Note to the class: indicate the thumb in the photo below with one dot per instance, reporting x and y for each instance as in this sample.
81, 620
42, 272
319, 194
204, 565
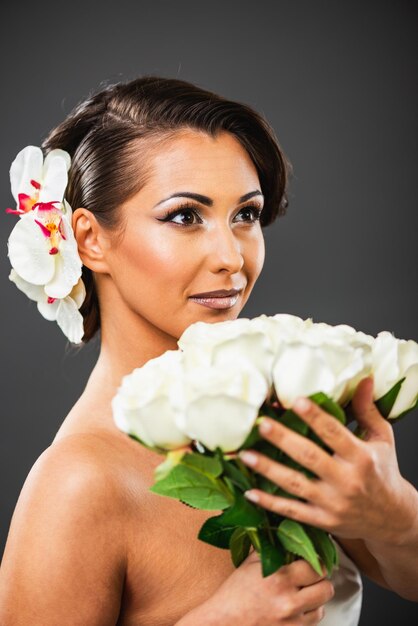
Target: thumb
371, 421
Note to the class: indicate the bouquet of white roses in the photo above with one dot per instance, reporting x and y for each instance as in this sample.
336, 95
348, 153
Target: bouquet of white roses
202, 404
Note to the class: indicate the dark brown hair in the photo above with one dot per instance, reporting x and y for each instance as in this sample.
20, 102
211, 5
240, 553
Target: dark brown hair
109, 136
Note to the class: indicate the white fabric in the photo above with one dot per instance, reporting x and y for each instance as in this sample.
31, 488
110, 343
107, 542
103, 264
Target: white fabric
344, 608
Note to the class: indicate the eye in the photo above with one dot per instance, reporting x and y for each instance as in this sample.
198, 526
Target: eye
191, 210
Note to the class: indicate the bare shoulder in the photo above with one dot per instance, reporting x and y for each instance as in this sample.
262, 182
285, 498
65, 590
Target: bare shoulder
66, 546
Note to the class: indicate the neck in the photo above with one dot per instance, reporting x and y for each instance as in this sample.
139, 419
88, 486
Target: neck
127, 342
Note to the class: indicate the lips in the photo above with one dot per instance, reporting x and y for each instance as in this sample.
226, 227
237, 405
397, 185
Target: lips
219, 293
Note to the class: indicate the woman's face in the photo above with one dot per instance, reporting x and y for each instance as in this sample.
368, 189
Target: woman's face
214, 243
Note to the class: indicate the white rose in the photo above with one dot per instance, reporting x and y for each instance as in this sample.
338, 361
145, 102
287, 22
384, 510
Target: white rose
221, 404
281, 326
228, 343
145, 402
323, 358
394, 359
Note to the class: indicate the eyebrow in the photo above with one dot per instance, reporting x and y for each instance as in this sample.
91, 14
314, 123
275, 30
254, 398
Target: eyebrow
205, 199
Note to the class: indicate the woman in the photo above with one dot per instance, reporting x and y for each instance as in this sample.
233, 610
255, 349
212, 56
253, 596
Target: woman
171, 186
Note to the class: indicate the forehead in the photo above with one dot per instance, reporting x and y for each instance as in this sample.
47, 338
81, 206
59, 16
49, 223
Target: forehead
194, 158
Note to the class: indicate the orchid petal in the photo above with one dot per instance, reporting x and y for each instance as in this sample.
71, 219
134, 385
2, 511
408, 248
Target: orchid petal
34, 292
70, 320
54, 179
67, 268
67, 210
26, 166
48, 310
57, 152
28, 252
78, 293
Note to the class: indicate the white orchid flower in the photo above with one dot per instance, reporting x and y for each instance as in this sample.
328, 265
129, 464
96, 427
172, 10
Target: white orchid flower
35, 180
62, 310
42, 248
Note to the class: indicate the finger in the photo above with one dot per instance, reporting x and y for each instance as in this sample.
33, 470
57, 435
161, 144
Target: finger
291, 480
337, 436
300, 449
289, 507
368, 415
313, 617
302, 573
313, 596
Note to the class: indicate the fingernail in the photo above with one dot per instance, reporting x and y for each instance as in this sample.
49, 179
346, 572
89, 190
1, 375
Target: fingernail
251, 495
302, 404
248, 457
265, 426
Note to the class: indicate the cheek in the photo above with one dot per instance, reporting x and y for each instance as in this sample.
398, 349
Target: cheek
255, 255
151, 263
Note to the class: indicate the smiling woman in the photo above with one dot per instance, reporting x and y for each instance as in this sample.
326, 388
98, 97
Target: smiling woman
128, 134
170, 187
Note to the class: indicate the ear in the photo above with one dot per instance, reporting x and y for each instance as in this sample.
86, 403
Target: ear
90, 240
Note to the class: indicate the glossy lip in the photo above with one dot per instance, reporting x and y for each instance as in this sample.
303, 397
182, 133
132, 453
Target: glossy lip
219, 293
218, 302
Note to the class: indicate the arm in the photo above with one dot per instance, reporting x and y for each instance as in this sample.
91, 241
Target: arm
64, 561
392, 564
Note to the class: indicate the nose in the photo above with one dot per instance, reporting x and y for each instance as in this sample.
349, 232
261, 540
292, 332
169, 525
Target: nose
225, 250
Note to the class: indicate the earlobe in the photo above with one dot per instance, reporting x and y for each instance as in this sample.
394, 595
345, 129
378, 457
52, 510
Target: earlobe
88, 234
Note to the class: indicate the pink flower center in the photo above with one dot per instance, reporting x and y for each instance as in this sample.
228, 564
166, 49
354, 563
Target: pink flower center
26, 202
50, 223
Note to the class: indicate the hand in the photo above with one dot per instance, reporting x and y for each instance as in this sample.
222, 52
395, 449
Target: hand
359, 492
294, 594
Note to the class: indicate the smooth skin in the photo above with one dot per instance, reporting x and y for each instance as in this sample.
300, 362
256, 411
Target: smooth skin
89, 544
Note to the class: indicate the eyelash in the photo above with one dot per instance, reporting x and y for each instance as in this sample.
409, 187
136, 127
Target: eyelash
256, 211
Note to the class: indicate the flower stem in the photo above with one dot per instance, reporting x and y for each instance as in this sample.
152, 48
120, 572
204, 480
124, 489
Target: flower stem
252, 533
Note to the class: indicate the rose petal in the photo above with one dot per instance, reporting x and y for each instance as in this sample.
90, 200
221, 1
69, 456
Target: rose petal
301, 371
26, 166
408, 392
29, 253
70, 320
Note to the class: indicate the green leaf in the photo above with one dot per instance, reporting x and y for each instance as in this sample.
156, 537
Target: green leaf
236, 475
172, 458
243, 513
294, 538
324, 546
272, 556
194, 487
386, 402
207, 464
216, 532
327, 404
239, 545
294, 422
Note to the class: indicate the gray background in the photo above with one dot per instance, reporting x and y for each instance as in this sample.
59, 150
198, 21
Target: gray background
337, 80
